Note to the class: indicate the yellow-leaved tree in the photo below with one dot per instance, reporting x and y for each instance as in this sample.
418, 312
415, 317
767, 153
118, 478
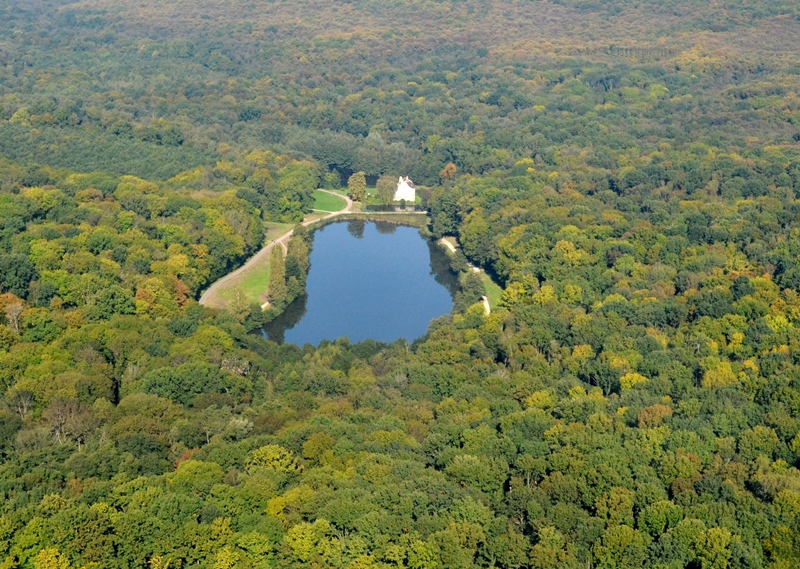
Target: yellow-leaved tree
275, 457
50, 558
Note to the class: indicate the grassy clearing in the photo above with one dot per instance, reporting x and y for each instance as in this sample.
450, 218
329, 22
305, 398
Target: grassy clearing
327, 202
253, 283
275, 230
493, 290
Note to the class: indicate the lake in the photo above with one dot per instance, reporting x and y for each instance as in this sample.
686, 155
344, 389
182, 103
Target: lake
368, 280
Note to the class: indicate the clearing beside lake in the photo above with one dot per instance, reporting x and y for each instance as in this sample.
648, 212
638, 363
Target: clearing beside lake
252, 278
327, 201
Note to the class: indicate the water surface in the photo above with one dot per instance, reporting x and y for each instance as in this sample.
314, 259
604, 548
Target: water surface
368, 280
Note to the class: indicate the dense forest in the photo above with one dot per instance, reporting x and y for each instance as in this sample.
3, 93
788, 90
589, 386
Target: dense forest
629, 172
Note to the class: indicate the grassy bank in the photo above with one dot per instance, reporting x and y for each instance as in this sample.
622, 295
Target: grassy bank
254, 281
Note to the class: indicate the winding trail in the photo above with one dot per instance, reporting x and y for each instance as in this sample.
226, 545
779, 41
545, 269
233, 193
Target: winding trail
484, 299
210, 294
447, 244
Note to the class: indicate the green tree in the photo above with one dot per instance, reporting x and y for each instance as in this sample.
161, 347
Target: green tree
387, 187
297, 262
357, 185
551, 550
621, 547
277, 278
16, 273
183, 383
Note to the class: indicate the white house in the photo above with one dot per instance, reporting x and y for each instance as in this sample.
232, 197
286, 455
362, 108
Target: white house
405, 190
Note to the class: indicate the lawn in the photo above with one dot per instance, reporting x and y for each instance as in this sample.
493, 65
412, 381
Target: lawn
493, 290
255, 282
252, 283
328, 202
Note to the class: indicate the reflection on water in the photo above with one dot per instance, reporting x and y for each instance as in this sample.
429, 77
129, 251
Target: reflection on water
375, 280
288, 319
440, 267
356, 228
385, 228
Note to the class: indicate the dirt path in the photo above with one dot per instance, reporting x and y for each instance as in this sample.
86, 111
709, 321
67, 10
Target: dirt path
484, 300
447, 244
264, 252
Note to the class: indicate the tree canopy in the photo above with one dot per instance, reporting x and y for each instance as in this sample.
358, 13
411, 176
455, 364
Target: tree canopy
629, 173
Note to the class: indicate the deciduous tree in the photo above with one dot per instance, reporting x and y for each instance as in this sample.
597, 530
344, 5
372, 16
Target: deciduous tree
357, 186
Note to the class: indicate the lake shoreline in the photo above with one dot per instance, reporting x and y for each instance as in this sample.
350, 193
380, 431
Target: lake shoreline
215, 295
373, 278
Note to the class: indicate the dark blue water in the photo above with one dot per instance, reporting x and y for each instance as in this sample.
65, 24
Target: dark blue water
368, 280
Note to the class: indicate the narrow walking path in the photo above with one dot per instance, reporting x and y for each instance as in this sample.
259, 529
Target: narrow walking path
447, 244
484, 299
209, 297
